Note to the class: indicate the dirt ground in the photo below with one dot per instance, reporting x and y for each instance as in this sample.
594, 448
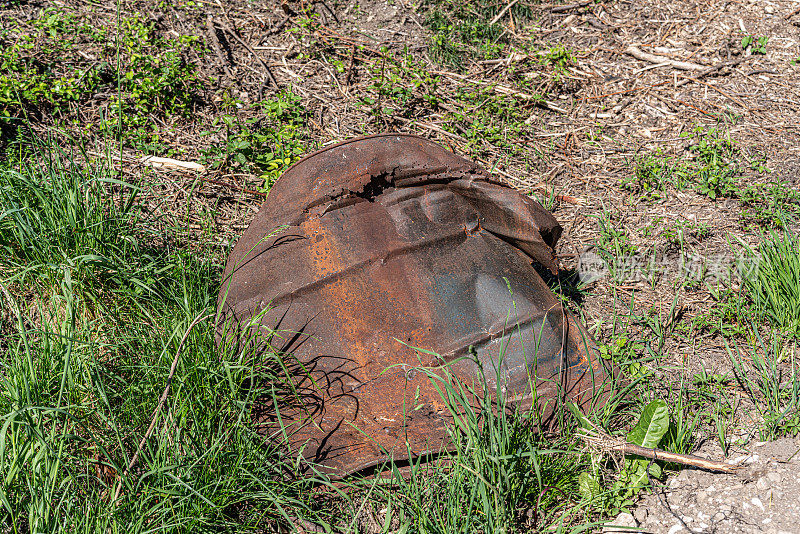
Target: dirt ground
762, 496
646, 75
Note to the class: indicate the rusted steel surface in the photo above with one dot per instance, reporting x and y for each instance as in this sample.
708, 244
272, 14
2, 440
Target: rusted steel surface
393, 243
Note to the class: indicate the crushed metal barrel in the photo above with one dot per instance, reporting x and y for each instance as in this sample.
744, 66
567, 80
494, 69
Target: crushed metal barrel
393, 255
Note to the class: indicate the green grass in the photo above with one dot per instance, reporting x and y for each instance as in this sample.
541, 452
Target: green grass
58, 216
769, 374
650, 177
95, 312
463, 30
503, 474
85, 355
716, 168
774, 283
96, 297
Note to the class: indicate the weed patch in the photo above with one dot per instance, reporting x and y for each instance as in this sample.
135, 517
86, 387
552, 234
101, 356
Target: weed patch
465, 30
771, 379
264, 145
651, 175
769, 205
41, 75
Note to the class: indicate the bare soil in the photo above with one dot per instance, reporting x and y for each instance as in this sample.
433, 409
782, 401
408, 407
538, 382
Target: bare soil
762, 496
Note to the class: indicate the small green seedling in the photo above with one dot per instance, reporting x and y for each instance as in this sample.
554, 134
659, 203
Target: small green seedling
757, 45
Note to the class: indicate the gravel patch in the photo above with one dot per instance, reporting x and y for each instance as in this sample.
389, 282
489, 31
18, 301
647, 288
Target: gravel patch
763, 496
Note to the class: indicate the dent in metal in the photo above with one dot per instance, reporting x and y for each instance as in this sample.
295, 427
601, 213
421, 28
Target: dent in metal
394, 243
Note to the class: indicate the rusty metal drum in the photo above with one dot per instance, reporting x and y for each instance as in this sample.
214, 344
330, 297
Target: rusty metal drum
375, 259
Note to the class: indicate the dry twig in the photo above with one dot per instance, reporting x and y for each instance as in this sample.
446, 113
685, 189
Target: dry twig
569, 7
644, 56
253, 52
606, 443
503, 11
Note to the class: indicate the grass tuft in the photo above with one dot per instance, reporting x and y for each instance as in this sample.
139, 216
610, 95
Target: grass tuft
775, 284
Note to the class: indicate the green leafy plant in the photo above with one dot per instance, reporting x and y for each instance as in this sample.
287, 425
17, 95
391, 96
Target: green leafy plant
41, 75
157, 80
616, 249
265, 145
402, 87
714, 170
729, 314
677, 233
651, 428
624, 352
757, 45
559, 58
33, 74
650, 176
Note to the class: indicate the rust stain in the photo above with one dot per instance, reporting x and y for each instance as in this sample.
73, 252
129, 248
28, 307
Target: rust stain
394, 243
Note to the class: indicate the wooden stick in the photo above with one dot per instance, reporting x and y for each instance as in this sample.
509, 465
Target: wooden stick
694, 107
253, 52
169, 163
569, 7
214, 42
644, 56
709, 71
503, 11
607, 443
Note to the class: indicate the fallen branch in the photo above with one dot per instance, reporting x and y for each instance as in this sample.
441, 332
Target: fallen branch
644, 56
249, 48
160, 404
503, 11
169, 163
217, 48
711, 70
607, 443
569, 7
